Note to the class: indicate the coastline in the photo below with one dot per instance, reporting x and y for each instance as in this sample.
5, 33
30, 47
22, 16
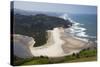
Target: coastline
58, 44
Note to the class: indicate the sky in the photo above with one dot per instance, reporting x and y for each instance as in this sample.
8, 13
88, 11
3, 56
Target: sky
53, 7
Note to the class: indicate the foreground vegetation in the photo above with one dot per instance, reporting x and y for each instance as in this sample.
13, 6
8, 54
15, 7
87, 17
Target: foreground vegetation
84, 55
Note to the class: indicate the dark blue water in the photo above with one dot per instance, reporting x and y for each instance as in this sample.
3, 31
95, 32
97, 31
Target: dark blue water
87, 21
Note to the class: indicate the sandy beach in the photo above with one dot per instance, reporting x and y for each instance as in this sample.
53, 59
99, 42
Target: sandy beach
58, 45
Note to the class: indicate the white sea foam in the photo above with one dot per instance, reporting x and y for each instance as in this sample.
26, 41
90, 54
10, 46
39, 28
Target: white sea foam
82, 34
64, 16
76, 29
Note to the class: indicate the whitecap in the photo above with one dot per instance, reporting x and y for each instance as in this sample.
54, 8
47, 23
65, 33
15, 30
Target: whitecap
76, 28
82, 34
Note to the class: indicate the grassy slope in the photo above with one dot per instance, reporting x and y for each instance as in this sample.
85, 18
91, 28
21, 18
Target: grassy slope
94, 58
46, 61
85, 55
38, 61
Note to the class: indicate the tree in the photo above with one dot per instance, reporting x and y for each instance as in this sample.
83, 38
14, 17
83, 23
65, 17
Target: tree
73, 54
41, 56
77, 55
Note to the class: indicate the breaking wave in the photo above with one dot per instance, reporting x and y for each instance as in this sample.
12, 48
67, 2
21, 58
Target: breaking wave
76, 29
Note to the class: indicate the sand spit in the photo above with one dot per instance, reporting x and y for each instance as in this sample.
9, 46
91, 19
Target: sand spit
57, 45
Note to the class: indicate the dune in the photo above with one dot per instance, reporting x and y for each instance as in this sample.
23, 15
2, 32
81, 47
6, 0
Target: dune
58, 45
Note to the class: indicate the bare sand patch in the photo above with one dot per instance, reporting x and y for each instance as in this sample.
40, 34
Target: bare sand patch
58, 45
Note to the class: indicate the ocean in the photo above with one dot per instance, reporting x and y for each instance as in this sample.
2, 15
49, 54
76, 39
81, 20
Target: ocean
84, 25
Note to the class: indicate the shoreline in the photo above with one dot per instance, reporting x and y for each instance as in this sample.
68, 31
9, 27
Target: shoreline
58, 45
